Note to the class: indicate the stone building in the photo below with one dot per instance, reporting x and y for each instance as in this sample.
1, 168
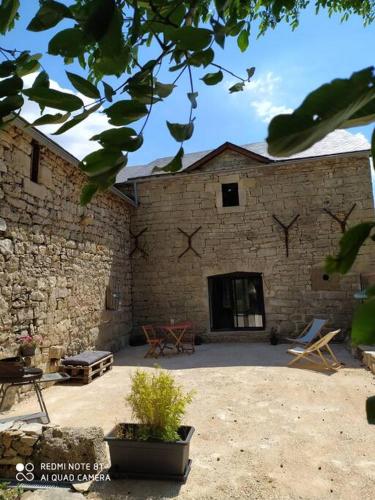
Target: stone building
64, 269
215, 247
205, 244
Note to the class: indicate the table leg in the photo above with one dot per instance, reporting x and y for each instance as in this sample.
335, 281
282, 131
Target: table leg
42, 404
3, 393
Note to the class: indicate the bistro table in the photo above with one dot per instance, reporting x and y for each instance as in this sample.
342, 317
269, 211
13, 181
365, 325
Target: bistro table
175, 333
34, 380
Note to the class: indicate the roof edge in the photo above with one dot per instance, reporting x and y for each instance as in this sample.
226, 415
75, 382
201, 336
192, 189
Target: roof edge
276, 162
60, 151
227, 146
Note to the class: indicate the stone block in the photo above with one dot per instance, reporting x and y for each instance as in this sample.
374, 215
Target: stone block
34, 189
56, 352
71, 445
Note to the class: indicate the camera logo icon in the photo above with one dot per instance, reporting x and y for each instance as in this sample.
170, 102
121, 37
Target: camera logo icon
25, 472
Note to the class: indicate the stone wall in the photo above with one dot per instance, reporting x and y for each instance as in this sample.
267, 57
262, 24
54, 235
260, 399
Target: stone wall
57, 259
247, 239
66, 451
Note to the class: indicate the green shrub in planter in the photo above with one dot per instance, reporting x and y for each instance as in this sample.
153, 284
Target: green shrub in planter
159, 404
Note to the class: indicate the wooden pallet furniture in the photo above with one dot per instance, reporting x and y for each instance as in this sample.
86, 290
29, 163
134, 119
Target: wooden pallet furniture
87, 365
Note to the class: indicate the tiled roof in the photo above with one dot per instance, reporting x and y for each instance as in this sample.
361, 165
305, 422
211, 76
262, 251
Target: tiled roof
337, 142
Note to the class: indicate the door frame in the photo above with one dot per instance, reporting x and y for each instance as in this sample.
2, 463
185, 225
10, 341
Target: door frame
233, 276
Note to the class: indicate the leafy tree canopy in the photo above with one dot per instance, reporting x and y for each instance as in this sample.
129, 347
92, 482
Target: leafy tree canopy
117, 38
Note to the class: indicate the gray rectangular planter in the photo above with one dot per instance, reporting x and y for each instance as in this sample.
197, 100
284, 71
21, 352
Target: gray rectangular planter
150, 459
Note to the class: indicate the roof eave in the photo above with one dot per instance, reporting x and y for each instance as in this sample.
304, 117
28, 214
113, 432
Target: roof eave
60, 151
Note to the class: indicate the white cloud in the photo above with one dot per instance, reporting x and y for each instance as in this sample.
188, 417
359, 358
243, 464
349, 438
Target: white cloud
263, 96
77, 140
266, 110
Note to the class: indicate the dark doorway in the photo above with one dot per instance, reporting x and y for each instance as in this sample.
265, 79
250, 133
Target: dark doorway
236, 301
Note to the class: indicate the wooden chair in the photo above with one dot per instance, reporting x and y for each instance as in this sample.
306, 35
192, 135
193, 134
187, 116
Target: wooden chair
312, 331
154, 341
315, 353
188, 339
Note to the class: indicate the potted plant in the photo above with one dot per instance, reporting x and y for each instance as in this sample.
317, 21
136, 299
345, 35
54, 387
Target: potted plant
158, 445
28, 344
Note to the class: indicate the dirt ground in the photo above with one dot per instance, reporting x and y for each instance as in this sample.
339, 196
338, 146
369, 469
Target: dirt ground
263, 431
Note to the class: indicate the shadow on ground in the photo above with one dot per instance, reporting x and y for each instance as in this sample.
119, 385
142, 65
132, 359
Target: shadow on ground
227, 355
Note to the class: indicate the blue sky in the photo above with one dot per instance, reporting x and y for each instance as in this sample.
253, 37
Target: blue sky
288, 66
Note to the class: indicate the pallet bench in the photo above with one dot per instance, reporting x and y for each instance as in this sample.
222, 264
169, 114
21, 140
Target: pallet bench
87, 365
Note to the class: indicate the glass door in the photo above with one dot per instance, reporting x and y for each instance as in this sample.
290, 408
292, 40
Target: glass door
236, 301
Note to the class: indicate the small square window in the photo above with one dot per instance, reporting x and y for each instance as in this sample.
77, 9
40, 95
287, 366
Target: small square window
230, 194
34, 167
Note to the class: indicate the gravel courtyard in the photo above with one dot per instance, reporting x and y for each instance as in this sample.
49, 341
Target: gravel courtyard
262, 430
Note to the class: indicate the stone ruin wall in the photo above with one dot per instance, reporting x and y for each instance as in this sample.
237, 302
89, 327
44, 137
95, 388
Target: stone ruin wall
58, 258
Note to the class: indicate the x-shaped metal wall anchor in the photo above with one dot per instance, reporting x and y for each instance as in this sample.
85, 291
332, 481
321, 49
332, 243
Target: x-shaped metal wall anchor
343, 221
136, 245
286, 231
189, 237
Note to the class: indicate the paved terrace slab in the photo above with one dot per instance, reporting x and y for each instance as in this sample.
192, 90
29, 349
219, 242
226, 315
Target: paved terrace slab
263, 430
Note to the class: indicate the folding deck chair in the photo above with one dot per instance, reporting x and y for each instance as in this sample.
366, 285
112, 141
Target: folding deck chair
155, 342
315, 353
310, 332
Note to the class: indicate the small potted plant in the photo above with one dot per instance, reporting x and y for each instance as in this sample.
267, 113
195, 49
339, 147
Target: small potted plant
28, 344
157, 447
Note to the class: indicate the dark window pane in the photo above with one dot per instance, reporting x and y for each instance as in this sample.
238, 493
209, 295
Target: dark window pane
236, 301
230, 194
35, 154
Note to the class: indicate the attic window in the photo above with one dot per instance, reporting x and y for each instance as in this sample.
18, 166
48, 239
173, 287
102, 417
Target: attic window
230, 194
34, 167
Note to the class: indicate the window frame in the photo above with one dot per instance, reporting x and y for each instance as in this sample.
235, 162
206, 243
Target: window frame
224, 195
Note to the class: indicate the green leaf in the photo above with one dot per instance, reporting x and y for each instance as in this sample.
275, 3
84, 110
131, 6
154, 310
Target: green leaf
100, 18
202, 58
10, 86
189, 37
113, 55
84, 86
49, 14
329, 107
370, 410
164, 89
77, 119
364, 116
192, 96
54, 98
181, 132
29, 67
67, 43
243, 40
125, 112
124, 139
101, 161
50, 119
174, 165
88, 192
7, 68
219, 33
363, 325
237, 87
108, 92
250, 73
42, 80
350, 245
10, 104
8, 13
213, 78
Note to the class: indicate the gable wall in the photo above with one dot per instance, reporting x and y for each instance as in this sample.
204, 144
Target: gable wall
56, 257
249, 240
